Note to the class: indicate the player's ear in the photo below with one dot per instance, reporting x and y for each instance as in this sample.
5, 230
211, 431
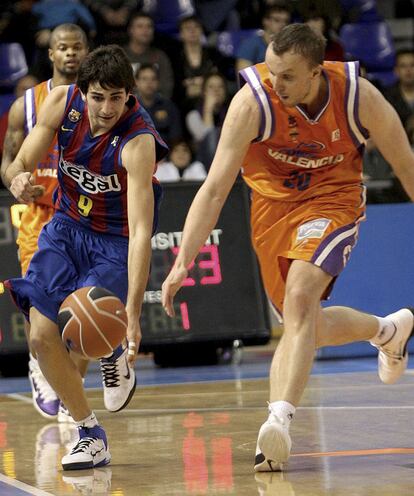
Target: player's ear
50, 54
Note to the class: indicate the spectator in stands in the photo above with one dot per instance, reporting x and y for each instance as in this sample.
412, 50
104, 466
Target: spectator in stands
112, 18
401, 94
334, 49
181, 165
252, 50
205, 121
140, 51
163, 111
15, 15
194, 61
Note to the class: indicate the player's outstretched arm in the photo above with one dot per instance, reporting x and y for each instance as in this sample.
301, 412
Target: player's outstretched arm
17, 176
240, 127
138, 157
386, 130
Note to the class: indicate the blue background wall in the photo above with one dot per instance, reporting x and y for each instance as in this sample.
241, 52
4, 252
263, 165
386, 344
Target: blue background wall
379, 277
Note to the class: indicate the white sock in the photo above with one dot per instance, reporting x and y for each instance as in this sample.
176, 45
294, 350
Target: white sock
283, 410
89, 421
386, 330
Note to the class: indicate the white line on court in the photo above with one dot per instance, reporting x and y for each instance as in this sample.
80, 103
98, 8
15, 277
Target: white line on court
24, 487
19, 397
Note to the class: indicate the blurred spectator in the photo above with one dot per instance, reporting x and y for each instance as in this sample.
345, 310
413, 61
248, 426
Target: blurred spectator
401, 94
218, 15
140, 51
252, 50
13, 17
204, 123
166, 14
112, 18
163, 111
194, 61
181, 165
328, 9
321, 24
409, 127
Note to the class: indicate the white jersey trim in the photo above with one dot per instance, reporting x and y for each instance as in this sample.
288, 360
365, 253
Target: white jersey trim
263, 101
351, 104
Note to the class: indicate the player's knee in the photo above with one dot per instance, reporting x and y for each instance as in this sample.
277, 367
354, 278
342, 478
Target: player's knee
42, 341
299, 299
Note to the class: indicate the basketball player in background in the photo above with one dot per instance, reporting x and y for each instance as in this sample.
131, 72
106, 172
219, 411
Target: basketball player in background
67, 48
298, 128
100, 235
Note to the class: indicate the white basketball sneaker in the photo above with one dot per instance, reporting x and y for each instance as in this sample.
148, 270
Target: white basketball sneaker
118, 379
44, 398
393, 355
273, 445
90, 451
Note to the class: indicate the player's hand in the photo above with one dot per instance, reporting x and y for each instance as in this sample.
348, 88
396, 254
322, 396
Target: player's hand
170, 287
133, 338
23, 188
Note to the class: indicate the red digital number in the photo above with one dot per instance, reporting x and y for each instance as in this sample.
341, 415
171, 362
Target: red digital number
213, 264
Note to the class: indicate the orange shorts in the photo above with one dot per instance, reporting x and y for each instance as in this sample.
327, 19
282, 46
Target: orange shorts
313, 230
31, 223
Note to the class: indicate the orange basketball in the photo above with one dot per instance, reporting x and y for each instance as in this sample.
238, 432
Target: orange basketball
92, 322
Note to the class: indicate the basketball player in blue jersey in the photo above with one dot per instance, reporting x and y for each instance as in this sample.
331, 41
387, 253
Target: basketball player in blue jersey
106, 205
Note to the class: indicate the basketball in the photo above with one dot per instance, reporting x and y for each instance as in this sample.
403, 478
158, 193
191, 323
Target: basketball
92, 322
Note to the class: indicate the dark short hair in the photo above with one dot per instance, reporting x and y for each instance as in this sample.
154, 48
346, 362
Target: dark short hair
403, 51
191, 18
277, 9
302, 39
139, 15
107, 65
144, 67
68, 28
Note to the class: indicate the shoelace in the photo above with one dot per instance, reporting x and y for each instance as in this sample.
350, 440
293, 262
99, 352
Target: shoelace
45, 390
110, 373
83, 444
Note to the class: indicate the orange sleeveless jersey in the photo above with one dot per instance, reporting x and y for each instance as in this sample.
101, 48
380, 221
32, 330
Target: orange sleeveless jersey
46, 170
296, 157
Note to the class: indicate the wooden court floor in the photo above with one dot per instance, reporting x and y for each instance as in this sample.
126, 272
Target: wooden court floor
351, 436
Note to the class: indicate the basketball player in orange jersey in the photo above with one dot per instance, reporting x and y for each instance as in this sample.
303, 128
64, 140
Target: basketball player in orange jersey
297, 129
68, 47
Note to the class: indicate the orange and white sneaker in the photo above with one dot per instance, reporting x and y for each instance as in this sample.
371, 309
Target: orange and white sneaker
393, 355
273, 445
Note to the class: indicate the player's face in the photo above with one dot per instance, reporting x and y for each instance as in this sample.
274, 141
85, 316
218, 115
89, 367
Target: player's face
291, 76
67, 52
105, 106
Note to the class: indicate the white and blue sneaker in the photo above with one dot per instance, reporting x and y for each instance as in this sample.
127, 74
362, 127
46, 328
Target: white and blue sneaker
90, 451
118, 380
45, 400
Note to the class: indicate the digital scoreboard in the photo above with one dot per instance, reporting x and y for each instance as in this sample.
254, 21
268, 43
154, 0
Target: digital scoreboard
221, 300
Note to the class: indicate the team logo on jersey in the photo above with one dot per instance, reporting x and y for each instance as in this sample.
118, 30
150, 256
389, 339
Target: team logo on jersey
89, 181
74, 115
336, 135
313, 229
